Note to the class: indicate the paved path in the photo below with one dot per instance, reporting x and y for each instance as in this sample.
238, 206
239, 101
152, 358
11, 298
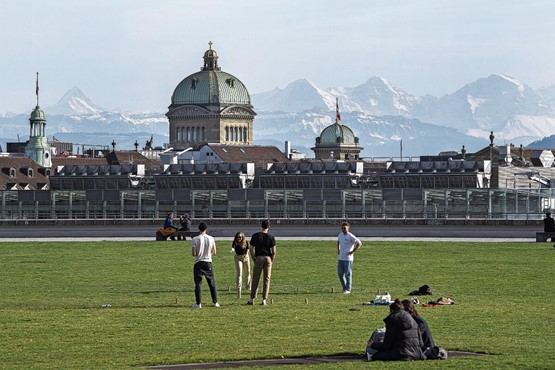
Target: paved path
320, 232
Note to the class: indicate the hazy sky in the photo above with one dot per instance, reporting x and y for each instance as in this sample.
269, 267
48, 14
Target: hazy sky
130, 54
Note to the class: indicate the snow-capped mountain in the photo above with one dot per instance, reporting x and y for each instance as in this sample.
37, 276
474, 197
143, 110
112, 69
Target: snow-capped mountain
75, 118
74, 103
298, 96
547, 94
381, 137
380, 114
498, 103
378, 97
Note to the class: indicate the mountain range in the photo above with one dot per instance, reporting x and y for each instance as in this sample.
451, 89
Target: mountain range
388, 121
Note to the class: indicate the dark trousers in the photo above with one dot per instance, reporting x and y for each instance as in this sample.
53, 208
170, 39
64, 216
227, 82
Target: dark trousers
201, 269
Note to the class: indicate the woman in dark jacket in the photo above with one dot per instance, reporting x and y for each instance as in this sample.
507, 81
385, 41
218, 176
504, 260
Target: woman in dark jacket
402, 339
427, 340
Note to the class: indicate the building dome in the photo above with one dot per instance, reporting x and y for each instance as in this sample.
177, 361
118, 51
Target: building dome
210, 86
210, 106
337, 133
37, 115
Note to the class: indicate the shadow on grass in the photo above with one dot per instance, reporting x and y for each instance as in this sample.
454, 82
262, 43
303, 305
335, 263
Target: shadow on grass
311, 360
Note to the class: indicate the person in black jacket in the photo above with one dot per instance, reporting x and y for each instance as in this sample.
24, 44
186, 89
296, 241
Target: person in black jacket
549, 224
427, 340
402, 339
263, 249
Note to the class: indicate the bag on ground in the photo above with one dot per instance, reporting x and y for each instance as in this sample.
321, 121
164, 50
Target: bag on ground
377, 336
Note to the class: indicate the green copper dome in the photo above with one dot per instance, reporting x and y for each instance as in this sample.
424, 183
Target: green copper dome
337, 133
37, 115
210, 86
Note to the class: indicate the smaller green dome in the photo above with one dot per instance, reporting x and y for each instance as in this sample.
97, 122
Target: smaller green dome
337, 133
37, 115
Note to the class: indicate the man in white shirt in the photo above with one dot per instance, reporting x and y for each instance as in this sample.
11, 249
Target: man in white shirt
203, 248
347, 245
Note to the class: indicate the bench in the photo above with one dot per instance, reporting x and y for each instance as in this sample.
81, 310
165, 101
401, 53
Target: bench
544, 236
182, 235
179, 235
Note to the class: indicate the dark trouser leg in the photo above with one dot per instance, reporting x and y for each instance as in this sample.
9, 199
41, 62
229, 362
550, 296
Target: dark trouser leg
258, 262
209, 274
197, 274
267, 268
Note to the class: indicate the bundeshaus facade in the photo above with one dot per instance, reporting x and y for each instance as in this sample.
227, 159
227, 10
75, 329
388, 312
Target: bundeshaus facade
210, 106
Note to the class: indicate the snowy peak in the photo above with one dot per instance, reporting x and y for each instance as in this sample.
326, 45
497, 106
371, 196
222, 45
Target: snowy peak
298, 96
74, 102
378, 96
502, 84
486, 104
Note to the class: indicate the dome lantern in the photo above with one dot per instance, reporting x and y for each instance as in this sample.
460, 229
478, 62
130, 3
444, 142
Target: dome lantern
210, 59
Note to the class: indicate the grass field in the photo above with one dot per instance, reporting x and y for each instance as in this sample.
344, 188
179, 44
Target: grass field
51, 296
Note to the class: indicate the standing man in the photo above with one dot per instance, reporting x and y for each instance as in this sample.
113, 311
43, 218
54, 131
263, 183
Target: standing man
204, 247
263, 249
347, 245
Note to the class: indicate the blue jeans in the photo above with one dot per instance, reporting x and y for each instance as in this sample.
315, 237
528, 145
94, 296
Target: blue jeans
345, 271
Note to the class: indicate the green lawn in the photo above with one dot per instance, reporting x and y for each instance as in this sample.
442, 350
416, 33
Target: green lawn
51, 296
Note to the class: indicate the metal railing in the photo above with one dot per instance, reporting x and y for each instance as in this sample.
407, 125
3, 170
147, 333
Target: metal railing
467, 204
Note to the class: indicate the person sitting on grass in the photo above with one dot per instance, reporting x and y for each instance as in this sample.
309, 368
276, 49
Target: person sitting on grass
402, 340
427, 339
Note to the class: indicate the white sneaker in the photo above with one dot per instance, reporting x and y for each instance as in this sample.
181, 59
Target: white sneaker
197, 305
346, 292
263, 302
368, 356
216, 304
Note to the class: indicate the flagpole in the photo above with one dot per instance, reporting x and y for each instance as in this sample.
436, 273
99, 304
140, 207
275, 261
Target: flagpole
37, 89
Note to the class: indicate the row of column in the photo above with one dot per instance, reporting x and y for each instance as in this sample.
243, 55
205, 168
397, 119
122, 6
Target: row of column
233, 133
191, 134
